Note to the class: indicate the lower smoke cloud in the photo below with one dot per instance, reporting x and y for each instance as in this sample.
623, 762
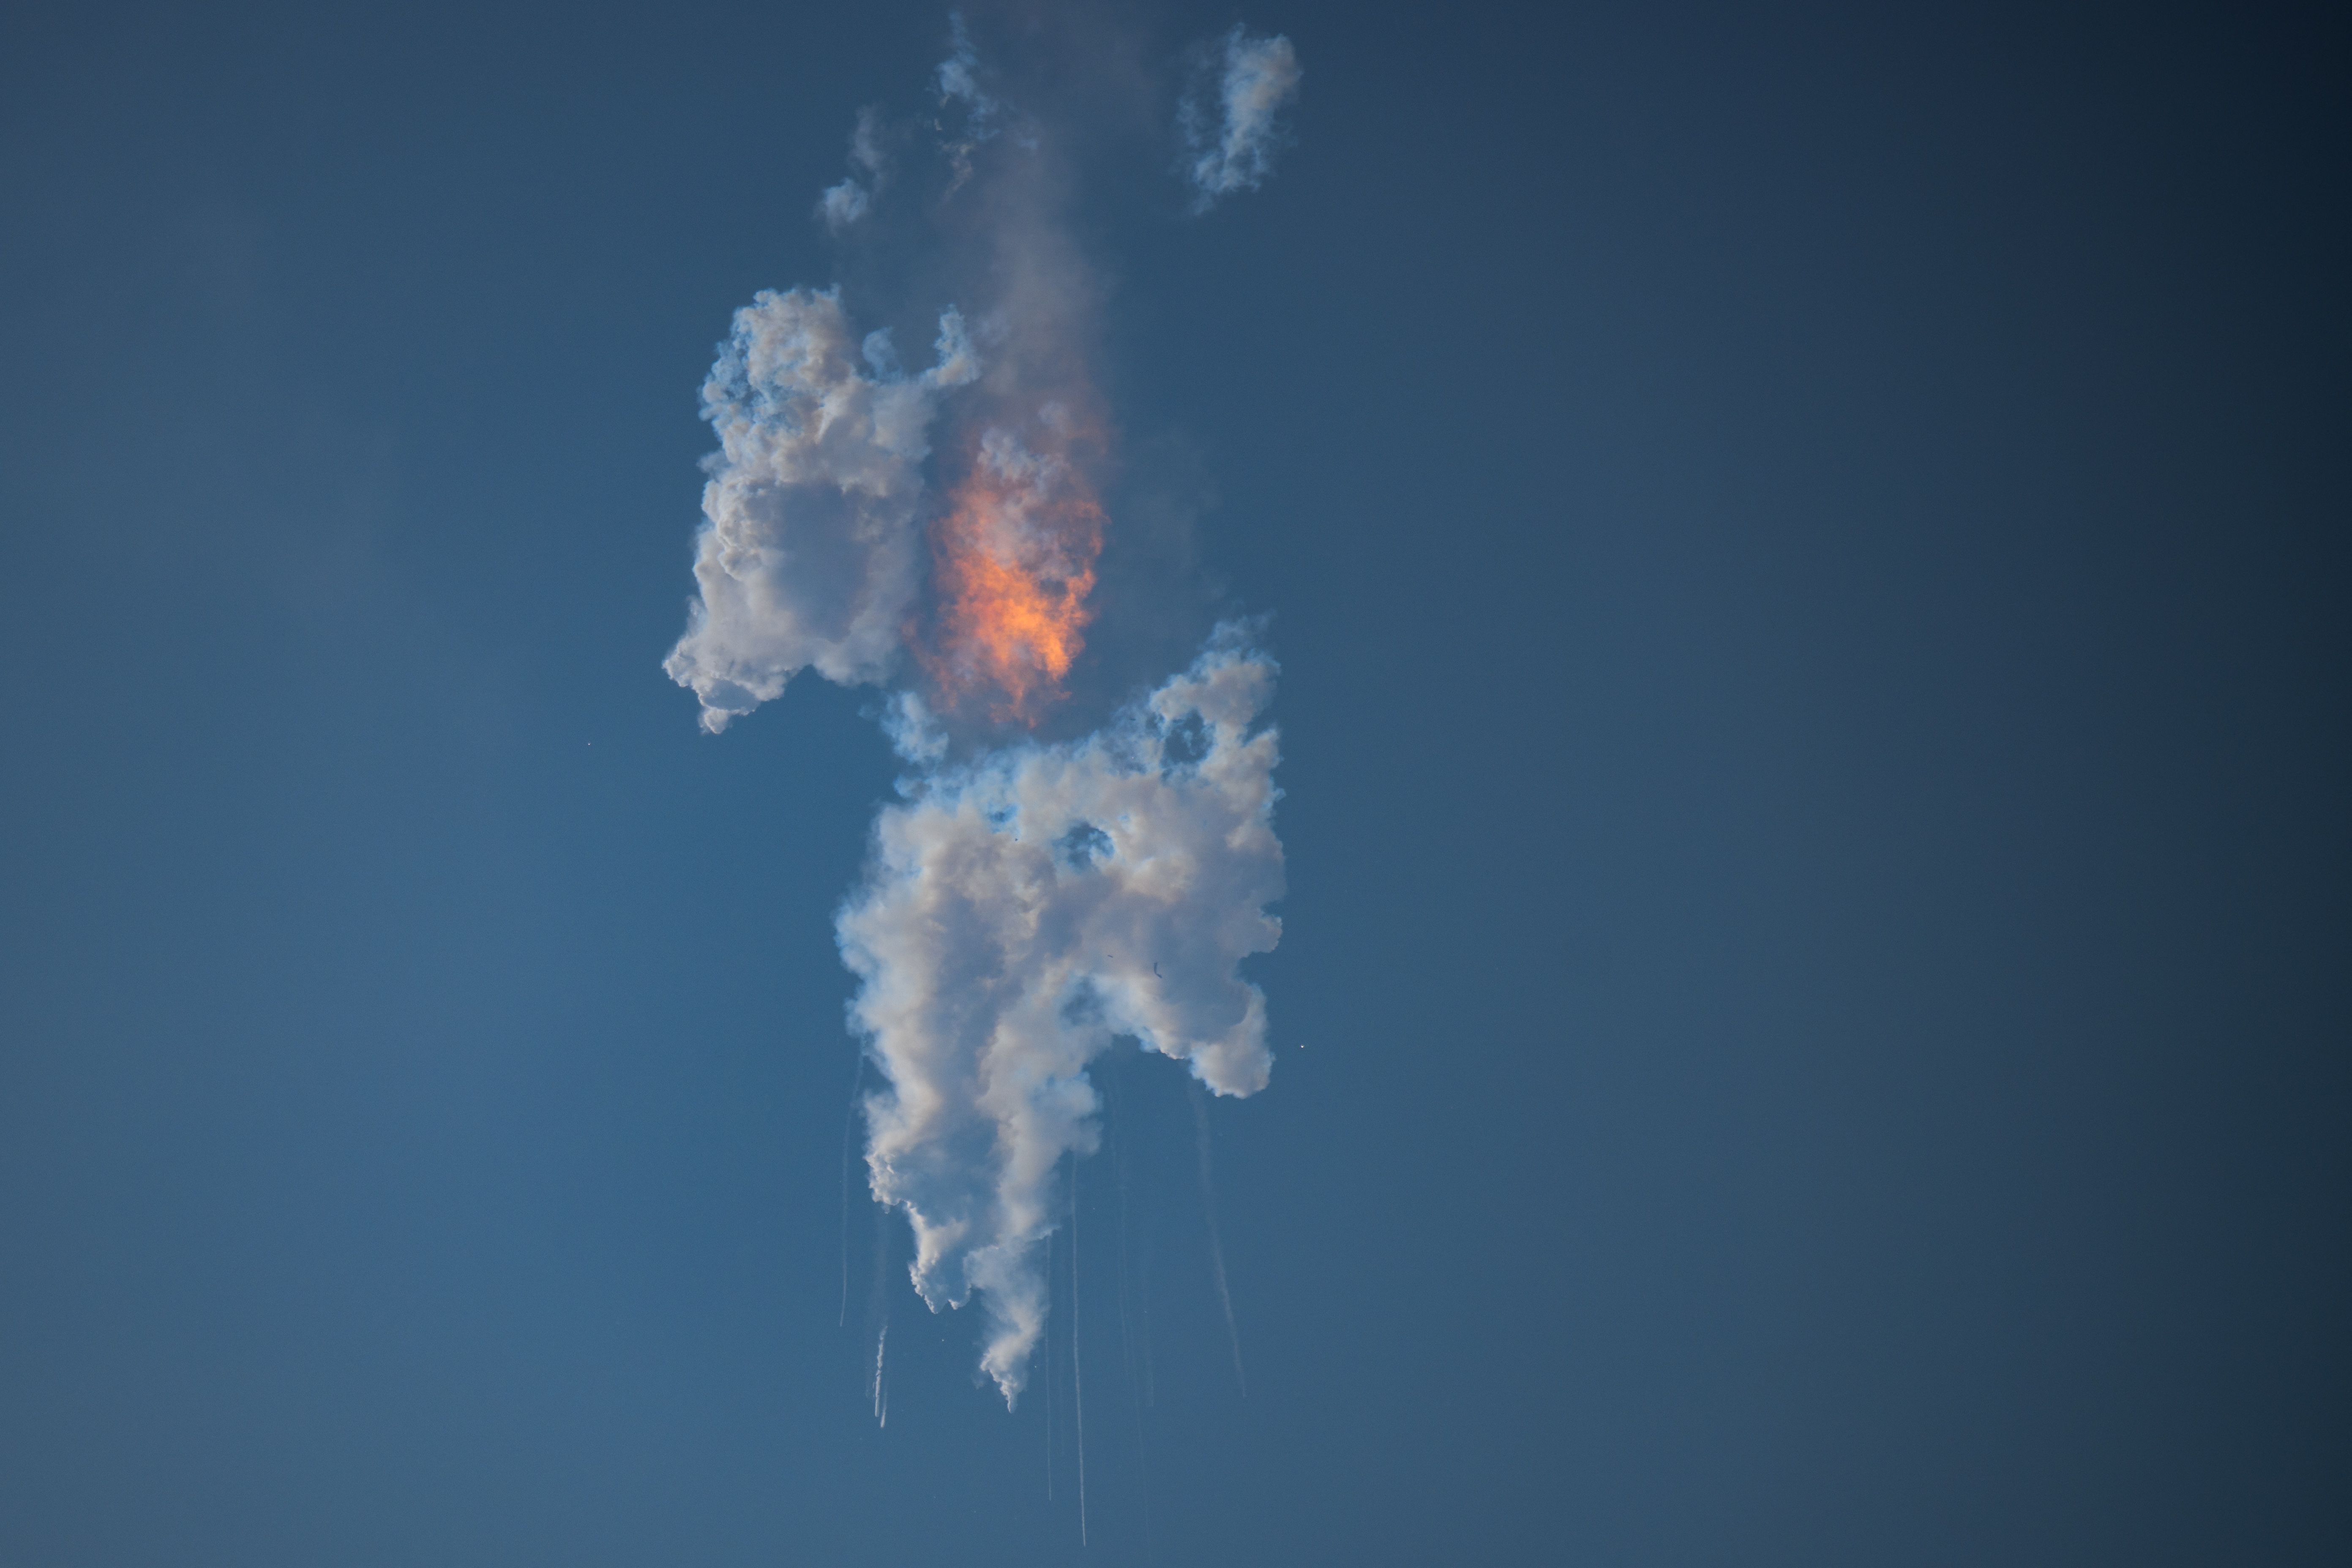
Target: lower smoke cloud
1023, 910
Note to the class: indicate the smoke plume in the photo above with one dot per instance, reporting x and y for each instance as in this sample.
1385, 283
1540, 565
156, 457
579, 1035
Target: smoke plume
1027, 901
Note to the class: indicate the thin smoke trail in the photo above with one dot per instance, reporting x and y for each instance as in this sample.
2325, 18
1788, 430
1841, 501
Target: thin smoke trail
1050, 1390
1115, 1129
1216, 1245
1078, 1369
1115, 1133
877, 1312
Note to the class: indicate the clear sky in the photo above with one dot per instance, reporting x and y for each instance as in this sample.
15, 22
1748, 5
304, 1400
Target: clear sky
1806, 551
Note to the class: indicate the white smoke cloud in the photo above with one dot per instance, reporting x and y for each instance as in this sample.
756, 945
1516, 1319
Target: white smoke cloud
808, 553
1020, 912
1233, 144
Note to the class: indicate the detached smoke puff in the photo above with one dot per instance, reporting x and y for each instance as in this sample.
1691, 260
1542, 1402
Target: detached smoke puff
1020, 913
958, 79
808, 554
842, 205
1233, 144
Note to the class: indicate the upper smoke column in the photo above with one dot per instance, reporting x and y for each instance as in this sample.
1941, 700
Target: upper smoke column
1019, 914
809, 551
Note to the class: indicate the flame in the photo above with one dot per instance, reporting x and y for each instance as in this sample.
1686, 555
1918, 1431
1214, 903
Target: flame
1015, 561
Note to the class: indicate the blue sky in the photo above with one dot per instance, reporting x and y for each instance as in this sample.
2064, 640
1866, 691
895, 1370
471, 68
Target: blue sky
1805, 550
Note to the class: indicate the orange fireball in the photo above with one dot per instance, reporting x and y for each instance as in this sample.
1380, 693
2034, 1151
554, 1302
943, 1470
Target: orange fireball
1015, 561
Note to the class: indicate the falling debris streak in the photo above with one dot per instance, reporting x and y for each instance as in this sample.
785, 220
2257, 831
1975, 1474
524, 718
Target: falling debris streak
1116, 1130
879, 1311
1050, 1390
1115, 1133
1216, 1245
1077, 1369
877, 1307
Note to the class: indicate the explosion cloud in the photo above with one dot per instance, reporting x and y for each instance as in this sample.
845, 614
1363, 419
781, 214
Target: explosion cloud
1015, 560
1026, 903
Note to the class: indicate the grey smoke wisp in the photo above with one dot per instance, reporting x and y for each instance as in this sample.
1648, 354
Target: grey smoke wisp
1078, 1357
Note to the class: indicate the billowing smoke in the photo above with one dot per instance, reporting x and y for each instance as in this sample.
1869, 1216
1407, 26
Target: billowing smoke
1023, 910
1026, 903
809, 547
1231, 118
